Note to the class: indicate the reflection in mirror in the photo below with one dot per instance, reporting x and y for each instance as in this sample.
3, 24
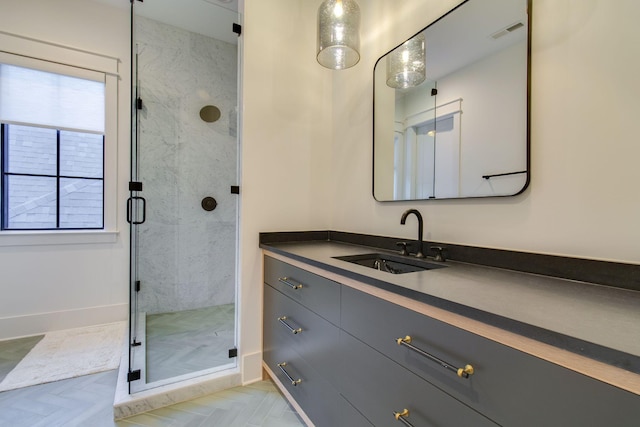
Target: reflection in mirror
451, 107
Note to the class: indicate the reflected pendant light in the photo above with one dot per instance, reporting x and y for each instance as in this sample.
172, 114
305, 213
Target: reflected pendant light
406, 64
338, 34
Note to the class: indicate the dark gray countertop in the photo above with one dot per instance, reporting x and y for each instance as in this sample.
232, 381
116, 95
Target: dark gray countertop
597, 321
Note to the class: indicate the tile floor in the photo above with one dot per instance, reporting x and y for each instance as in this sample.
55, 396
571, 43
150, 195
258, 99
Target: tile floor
258, 404
12, 351
88, 401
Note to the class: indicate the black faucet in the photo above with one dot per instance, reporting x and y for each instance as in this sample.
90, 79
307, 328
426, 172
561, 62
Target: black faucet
420, 228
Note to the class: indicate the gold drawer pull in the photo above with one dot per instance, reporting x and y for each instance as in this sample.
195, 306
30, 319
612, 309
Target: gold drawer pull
461, 372
293, 286
288, 326
293, 382
400, 416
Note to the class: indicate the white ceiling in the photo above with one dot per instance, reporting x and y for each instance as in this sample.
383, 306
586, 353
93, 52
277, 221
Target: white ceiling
452, 42
464, 36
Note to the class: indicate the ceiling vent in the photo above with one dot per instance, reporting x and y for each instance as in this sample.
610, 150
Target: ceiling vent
511, 28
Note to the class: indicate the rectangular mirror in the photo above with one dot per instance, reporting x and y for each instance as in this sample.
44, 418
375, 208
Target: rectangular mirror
451, 107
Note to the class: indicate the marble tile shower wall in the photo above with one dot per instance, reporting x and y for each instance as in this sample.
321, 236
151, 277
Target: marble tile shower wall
186, 254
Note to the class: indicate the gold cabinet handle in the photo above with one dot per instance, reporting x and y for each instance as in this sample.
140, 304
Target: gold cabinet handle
287, 281
461, 372
406, 339
293, 330
401, 416
465, 372
293, 382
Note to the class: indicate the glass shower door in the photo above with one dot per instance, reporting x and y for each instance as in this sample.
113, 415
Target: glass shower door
184, 175
135, 216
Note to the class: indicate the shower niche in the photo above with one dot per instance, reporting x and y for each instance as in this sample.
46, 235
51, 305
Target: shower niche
183, 254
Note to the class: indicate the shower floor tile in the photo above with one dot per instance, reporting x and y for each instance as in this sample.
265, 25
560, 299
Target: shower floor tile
184, 342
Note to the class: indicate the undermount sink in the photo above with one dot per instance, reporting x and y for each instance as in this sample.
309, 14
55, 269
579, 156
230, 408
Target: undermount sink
393, 264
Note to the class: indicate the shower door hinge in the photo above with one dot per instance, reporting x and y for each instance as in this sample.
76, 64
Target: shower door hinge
139, 103
137, 288
136, 343
233, 352
434, 91
237, 28
133, 375
235, 189
135, 186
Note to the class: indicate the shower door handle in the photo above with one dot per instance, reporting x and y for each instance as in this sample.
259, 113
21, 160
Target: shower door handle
130, 210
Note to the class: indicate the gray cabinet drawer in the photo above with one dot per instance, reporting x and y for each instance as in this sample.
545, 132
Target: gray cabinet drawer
320, 401
509, 386
312, 291
317, 341
378, 387
350, 417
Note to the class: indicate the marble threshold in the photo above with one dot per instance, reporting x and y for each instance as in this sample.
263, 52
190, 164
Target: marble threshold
179, 389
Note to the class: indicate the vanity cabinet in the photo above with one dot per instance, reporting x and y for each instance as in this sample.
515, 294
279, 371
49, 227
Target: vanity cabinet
320, 295
293, 362
360, 359
508, 386
301, 341
380, 388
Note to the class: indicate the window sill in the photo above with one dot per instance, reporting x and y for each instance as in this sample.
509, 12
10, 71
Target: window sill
71, 237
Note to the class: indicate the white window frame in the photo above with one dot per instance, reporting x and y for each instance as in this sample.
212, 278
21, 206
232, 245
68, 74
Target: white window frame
31, 53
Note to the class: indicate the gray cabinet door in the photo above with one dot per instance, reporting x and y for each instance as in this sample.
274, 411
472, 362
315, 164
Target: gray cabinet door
350, 416
317, 339
509, 386
378, 387
319, 399
320, 295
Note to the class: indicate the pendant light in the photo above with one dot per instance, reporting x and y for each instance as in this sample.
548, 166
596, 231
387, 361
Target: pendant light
406, 64
338, 34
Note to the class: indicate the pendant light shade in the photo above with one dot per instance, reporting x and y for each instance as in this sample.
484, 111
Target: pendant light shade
406, 64
338, 34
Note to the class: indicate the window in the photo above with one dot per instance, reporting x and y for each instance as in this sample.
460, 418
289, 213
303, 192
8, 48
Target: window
51, 179
52, 148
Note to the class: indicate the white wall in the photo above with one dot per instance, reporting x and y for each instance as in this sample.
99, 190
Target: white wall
582, 200
48, 287
286, 145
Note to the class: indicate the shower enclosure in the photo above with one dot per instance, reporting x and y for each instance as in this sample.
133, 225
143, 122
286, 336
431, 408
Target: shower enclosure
183, 205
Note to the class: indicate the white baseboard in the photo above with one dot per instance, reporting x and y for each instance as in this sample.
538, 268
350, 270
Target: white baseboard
36, 324
251, 368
